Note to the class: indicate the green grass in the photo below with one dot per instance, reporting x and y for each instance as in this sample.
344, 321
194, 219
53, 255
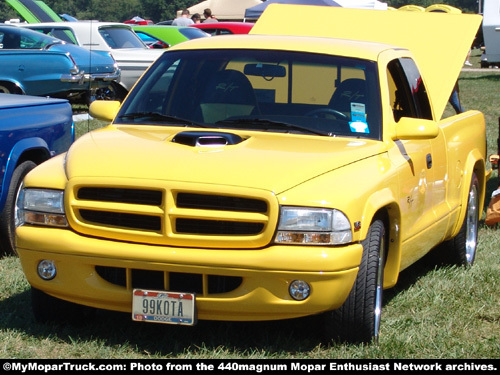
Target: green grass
435, 311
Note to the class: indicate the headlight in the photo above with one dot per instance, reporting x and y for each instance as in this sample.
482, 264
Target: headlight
41, 206
313, 226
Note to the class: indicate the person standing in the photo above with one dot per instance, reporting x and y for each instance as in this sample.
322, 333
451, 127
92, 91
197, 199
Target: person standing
209, 18
455, 100
196, 18
183, 20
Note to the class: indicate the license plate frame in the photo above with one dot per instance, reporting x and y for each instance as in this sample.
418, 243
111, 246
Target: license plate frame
166, 307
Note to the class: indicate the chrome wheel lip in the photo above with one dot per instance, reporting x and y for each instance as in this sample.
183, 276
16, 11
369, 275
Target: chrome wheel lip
472, 222
379, 292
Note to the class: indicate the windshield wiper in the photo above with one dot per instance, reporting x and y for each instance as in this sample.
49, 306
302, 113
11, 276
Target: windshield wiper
158, 117
270, 124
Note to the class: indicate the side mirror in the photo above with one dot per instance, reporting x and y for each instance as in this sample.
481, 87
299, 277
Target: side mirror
416, 128
104, 110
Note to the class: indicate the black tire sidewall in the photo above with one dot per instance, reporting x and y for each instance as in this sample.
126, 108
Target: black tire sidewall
7, 223
355, 320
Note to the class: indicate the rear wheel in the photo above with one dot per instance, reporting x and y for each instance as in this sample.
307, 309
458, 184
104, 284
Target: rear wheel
358, 319
9, 213
463, 246
9, 88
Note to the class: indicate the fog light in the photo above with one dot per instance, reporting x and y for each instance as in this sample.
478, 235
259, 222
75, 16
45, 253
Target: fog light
47, 269
299, 290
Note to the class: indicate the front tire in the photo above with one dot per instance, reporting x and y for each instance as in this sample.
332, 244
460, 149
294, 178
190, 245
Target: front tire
358, 319
112, 92
9, 213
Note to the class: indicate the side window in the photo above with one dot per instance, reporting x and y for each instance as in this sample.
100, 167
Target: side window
407, 90
10, 40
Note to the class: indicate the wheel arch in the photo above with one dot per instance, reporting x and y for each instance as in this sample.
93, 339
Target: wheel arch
383, 205
122, 90
14, 86
33, 149
475, 165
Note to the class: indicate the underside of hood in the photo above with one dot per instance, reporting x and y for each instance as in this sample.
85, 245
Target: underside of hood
439, 41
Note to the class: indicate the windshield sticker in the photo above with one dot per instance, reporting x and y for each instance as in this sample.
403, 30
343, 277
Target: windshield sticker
358, 117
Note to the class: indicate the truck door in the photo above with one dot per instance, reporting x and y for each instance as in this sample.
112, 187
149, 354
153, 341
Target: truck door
416, 164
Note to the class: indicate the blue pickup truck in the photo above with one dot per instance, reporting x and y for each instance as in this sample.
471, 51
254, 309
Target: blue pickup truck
32, 130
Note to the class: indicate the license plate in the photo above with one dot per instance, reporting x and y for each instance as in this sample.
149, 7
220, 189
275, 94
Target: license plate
163, 307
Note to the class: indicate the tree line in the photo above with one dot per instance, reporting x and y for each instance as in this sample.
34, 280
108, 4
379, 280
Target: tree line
162, 10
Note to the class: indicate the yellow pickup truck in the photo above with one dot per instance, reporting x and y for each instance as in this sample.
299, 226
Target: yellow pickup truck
294, 171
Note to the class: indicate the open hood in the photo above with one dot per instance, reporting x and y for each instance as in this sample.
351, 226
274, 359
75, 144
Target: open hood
33, 11
438, 41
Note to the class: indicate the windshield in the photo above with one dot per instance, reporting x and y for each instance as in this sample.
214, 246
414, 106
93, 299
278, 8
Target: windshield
17, 38
121, 37
60, 33
192, 32
277, 91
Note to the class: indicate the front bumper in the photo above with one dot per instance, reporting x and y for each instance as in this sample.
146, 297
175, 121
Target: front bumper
230, 284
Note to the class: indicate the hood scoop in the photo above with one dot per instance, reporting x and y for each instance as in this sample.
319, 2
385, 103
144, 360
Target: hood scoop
207, 139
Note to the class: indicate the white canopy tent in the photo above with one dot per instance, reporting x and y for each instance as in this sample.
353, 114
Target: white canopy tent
224, 10
255, 11
362, 4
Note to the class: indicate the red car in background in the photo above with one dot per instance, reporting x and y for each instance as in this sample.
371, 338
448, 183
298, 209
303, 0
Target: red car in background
139, 21
223, 28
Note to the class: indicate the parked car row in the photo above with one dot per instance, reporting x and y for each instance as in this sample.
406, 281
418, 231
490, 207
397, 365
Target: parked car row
166, 36
86, 60
119, 40
163, 36
224, 28
69, 71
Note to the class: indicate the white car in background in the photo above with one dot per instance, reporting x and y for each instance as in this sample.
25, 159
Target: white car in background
130, 52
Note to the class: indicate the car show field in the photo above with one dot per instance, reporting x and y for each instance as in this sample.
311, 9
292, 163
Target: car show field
199, 243
418, 309
300, 192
